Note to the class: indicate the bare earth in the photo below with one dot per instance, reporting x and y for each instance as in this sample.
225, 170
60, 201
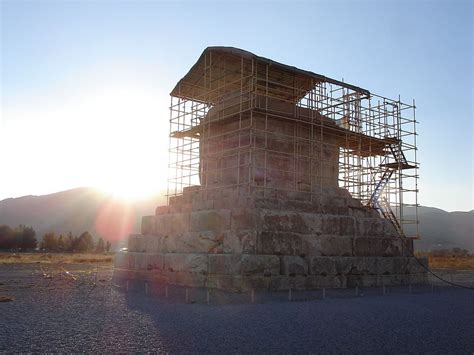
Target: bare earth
84, 311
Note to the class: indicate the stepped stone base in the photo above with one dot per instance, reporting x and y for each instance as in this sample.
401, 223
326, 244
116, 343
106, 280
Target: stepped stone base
271, 272
219, 239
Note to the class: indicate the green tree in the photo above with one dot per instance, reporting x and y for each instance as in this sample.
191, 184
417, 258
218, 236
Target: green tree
50, 242
100, 248
25, 237
85, 243
70, 242
61, 243
107, 246
7, 237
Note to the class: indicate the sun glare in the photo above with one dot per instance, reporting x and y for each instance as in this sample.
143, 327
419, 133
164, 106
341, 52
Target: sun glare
129, 189
114, 139
130, 128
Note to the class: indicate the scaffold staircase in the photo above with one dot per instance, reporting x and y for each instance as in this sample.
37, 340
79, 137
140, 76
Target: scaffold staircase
387, 213
386, 171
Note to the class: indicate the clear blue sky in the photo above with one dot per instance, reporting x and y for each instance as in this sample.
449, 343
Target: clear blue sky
70, 67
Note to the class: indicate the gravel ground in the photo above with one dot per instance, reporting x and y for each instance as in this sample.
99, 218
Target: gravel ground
60, 314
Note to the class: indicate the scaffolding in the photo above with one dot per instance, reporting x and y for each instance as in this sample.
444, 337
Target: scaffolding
263, 128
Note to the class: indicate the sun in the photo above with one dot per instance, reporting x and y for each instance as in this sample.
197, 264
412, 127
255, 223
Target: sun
129, 190
127, 147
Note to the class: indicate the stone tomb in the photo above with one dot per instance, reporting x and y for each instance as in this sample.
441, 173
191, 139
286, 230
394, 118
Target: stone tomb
269, 213
230, 242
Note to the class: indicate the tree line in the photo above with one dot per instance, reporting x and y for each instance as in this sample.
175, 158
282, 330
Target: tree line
24, 238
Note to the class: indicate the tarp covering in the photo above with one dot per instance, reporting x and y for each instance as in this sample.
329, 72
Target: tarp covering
220, 71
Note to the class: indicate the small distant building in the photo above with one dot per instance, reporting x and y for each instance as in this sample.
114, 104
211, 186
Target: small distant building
280, 177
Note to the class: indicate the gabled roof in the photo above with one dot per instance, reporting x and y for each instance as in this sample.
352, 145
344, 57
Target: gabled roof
224, 67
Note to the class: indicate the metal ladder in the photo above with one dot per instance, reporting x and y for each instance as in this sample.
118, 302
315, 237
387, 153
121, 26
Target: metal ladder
387, 174
397, 153
383, 206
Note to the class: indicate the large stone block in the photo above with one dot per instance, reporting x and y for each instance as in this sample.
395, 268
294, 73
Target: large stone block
225, 264
284, 222
194, 242
294, 265
267, 203
162, 210
197, 263
335, 246
323, 265
343, 265
265, 265
302, 206
240, 241
222, 282
171, 224
202, 205
313, 222
360, 212
281, 243
132, 242
251, 282
338, 225
417, 265
244, 218
363, 266
153, 244
154, 261
289, 221
137, 243
148, 225
377, 247
389, 230
370, 227
334, 205
213, 220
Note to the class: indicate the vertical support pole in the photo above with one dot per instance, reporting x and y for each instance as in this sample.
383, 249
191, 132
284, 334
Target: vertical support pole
146, 287
252, 296
126, 286
324, 293
289, 294
187, 296
357, 291
208, 297
166, 291
432, 287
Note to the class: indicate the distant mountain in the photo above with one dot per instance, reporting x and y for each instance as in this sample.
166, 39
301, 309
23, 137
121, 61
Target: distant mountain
78, 210
443, 230
84, 209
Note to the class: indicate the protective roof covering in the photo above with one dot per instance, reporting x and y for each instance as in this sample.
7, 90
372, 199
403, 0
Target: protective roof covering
219, 69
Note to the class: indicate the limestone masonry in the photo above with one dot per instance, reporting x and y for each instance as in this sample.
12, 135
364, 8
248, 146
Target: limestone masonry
259, 204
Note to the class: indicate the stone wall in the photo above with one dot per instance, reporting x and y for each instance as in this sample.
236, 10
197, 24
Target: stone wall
268, 149
226, 240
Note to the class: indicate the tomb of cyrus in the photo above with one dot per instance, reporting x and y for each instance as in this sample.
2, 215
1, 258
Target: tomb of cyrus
279, 177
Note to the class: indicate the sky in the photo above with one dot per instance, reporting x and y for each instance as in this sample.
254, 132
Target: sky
85, 84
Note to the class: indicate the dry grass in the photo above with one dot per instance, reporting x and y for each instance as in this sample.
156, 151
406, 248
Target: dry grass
450, 262
50, 258
6, 299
